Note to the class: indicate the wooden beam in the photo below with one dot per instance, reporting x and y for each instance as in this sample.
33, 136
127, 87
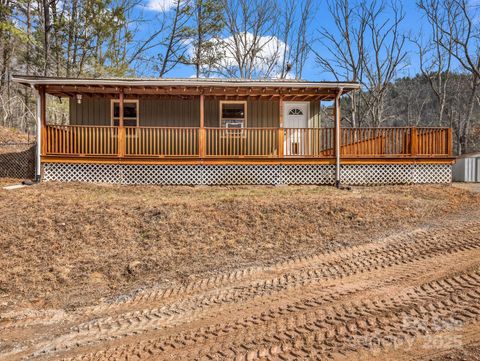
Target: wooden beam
184, 90
121, 128
196, 160
281, 106
43, 118
202, 132
450, 142
413, 141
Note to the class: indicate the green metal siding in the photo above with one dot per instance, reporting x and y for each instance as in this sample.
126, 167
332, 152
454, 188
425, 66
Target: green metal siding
169, 112
181, 112
92, 111
260, 113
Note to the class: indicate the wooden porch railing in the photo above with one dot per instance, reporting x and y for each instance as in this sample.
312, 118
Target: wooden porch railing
436, 141
156, 141
81, 140
241, 142
76, 140
390, 142
376, 142
309, 142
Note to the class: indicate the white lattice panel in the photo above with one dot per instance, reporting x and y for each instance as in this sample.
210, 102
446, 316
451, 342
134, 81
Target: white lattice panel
308, 174
68, 172
241, 174
432, 173
248, 174
161, 174
365, 174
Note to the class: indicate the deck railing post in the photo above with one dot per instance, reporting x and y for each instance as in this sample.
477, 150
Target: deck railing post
121, 128
449, 142
202, 139
413, 141
281, 140
281, 130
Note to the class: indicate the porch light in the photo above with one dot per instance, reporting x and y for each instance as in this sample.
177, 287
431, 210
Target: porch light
79, 98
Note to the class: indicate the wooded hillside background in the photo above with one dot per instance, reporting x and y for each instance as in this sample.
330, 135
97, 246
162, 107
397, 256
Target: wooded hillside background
249, 39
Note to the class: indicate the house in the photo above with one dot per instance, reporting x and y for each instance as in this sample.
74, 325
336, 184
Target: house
224, 131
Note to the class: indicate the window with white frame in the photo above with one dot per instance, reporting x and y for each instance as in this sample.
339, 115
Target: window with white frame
130, 112
233, 116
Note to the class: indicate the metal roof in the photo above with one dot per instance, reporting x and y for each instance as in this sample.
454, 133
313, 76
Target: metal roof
185, 82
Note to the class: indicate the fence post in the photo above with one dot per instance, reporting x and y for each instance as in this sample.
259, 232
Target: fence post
413, 141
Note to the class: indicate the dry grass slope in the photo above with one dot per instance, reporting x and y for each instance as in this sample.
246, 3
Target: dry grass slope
66, 245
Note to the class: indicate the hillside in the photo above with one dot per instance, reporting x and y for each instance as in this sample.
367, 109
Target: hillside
11, 135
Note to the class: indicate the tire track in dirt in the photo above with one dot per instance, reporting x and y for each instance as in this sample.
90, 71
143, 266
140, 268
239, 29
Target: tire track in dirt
176, 313
249, 274
330, 264
316, 331
131, 323
272, 312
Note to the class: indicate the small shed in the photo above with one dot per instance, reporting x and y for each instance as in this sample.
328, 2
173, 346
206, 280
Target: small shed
467, 168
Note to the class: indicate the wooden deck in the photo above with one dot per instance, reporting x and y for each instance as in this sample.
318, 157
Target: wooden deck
146, 145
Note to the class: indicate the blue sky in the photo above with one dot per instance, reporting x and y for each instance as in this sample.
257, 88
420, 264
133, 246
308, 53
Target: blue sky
414, 23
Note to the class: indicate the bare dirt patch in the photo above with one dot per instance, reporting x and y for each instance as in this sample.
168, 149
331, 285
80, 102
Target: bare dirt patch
66, 245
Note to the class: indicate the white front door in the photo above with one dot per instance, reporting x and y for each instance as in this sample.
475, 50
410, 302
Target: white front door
295, 122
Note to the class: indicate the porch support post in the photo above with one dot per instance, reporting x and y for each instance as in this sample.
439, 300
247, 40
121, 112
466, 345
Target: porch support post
337, 137
202, 139
450, 142
281, 130
41, 131
121, 127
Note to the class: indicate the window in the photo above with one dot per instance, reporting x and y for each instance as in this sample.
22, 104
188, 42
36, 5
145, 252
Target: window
130, 112
233, 115
295, 111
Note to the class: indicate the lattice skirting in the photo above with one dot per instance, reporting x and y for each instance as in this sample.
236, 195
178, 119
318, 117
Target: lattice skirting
247, 174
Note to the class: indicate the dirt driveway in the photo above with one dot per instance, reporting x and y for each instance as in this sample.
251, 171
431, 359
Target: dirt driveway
411, 295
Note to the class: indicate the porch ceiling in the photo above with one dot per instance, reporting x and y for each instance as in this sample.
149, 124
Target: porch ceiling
224, 88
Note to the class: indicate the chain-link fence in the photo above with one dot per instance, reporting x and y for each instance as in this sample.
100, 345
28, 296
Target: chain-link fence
17, 160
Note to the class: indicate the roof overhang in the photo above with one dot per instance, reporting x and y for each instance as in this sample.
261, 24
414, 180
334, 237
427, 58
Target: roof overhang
289, 89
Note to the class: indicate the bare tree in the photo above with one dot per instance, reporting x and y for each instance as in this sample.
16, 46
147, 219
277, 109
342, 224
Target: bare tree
248, 49
459, 36
435, 60
294, 33
383, 56
343, 47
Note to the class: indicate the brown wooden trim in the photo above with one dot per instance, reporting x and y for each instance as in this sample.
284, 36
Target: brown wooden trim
201, 132
121, 128
295, 93
414, 141
246, 161
450, 142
